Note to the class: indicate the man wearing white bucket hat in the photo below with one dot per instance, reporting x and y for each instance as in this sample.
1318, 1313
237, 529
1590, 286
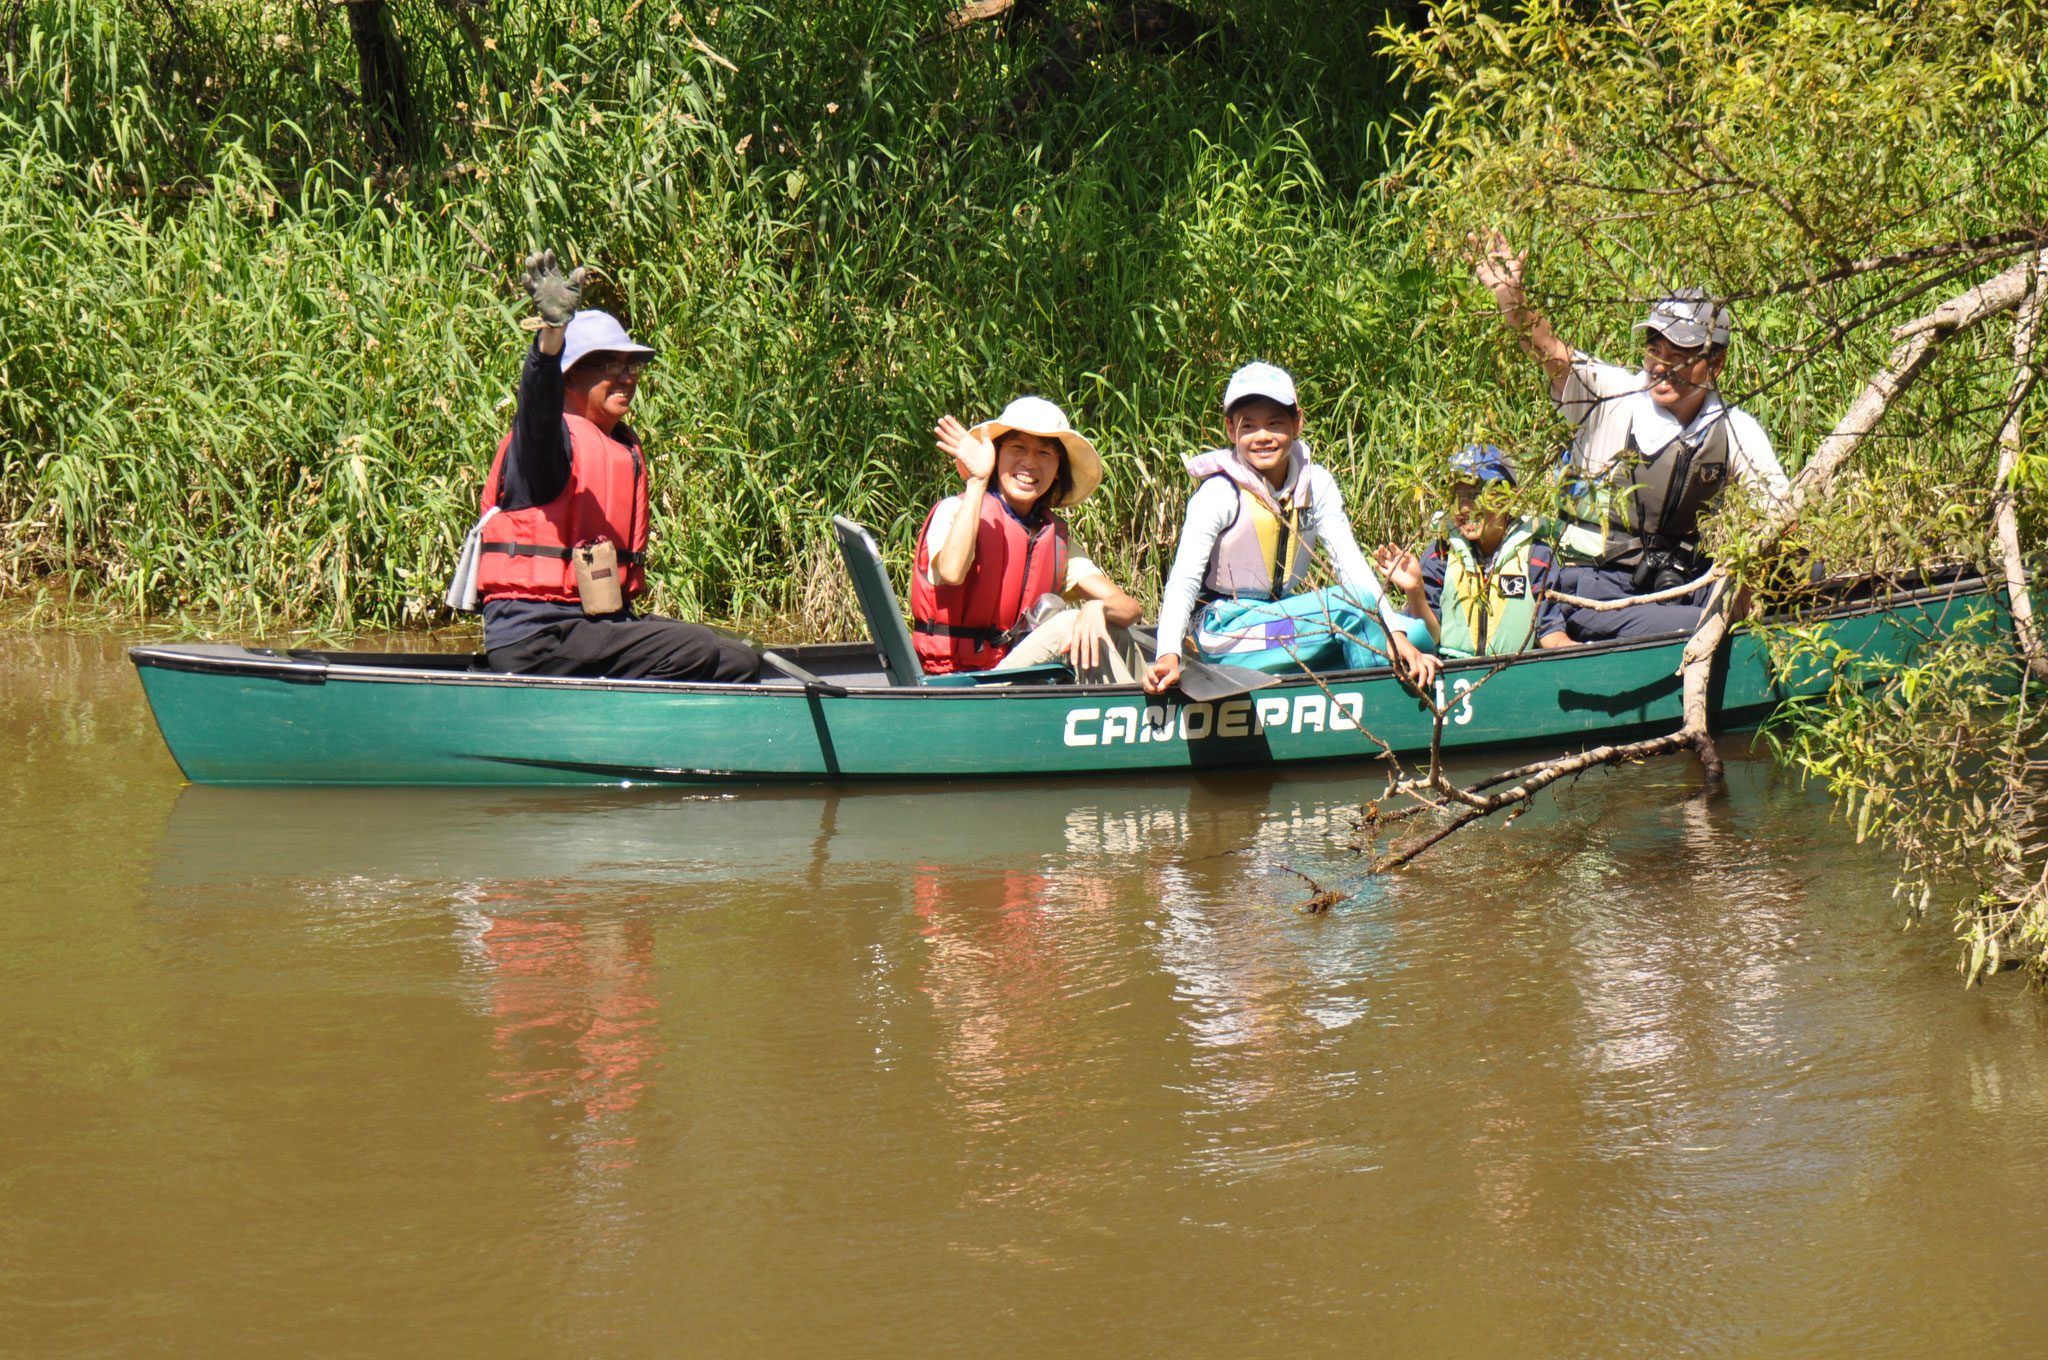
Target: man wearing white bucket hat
561, 548
990, 556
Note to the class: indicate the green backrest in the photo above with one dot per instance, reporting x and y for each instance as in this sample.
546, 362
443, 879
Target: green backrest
878, 602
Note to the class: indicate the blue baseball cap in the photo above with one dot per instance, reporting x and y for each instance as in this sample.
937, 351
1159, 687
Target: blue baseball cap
1482, 463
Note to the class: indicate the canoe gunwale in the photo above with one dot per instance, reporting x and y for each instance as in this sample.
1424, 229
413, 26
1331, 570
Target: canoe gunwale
303, 668
255, 716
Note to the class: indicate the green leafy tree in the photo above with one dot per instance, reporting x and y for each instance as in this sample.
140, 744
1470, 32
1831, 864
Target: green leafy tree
1867, 185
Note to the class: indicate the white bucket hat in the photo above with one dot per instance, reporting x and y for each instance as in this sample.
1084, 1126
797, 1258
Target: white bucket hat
1036, 415
593, 332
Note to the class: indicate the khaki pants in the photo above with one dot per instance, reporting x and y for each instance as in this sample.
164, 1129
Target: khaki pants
1049, 640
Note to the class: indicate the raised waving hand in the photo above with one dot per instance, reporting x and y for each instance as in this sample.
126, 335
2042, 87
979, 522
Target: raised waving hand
975, 458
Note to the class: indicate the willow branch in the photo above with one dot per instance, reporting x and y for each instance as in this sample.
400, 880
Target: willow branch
1784, 205
1983, 247
2005, 515
1921, 339
2022, 286
1655, 597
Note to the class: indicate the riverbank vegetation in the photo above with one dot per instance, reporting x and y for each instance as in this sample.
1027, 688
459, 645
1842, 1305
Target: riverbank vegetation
263, 330
1867, 184
260, 326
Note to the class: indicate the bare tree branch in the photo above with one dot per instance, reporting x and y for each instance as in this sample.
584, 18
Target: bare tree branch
1539, 778
1922, 338
975, 12
2005, 516
1983, 247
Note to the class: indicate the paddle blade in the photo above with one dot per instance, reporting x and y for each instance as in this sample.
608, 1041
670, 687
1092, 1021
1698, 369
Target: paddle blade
1205, 683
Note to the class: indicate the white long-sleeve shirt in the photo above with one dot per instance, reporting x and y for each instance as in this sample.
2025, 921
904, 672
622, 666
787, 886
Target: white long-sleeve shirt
1211, 510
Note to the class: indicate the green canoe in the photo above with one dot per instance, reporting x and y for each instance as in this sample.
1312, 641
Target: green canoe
843, 711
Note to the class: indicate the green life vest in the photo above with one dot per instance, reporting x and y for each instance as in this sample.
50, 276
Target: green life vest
1491, 610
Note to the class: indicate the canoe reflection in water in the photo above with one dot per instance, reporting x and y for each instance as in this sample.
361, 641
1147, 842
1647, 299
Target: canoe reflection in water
1164, 913
1269, 997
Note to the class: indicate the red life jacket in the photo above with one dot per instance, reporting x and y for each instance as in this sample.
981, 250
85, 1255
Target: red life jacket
526, 552
958, 627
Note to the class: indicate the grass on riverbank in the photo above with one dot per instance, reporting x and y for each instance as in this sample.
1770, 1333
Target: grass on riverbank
244, 378
252, 368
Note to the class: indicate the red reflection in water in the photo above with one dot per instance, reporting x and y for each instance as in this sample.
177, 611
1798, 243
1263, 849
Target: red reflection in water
1014, 969
575, 1019
993, 965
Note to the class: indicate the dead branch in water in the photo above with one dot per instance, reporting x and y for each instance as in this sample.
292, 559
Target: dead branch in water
1535, 779
1324, 898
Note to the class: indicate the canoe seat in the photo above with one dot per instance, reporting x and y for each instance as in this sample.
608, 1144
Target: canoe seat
892, 635
878, 602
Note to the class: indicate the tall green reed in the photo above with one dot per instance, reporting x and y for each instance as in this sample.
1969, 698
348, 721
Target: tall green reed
253, 370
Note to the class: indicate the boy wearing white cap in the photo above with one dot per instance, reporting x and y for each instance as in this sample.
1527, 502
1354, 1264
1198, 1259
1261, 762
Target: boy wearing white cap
1238, 584
565, 513
989, 557
1656, 445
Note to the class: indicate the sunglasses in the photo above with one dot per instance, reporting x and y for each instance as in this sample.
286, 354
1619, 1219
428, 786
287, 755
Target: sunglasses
618, 367
1658, 362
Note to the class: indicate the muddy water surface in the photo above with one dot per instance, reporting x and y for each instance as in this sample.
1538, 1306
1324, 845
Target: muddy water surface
1010, 1071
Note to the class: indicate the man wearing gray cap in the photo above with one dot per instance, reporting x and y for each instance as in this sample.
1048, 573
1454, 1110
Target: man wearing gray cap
1655, 445
564, 532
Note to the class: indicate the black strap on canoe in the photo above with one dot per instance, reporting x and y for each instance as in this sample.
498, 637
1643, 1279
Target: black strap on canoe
540, 550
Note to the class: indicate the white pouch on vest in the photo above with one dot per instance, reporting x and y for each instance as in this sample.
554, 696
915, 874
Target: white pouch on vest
462, 592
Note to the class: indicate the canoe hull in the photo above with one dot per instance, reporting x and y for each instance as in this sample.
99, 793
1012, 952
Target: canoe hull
242, 716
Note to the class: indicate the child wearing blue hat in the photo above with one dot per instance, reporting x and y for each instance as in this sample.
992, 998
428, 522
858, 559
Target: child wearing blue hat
1482, 587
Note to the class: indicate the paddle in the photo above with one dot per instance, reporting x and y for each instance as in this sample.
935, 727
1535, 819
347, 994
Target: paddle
811, 683
1206, 683
1203, 681
747, 640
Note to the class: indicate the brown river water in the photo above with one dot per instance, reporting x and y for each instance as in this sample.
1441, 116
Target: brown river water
978, 1070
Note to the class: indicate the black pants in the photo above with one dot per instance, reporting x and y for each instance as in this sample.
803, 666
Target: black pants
1642, 620
628, 649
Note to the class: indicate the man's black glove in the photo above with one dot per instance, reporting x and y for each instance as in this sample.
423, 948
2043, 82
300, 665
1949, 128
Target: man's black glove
555, 295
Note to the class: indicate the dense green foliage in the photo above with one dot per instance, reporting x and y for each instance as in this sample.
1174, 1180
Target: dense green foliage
1942, 764
254, 366
1838, 170
1770, 153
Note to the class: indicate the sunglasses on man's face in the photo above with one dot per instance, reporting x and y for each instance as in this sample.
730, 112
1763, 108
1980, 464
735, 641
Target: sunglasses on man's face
1659, 360
619, 369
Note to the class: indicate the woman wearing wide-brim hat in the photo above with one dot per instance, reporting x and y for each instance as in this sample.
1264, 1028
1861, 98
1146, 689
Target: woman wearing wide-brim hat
988, 556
